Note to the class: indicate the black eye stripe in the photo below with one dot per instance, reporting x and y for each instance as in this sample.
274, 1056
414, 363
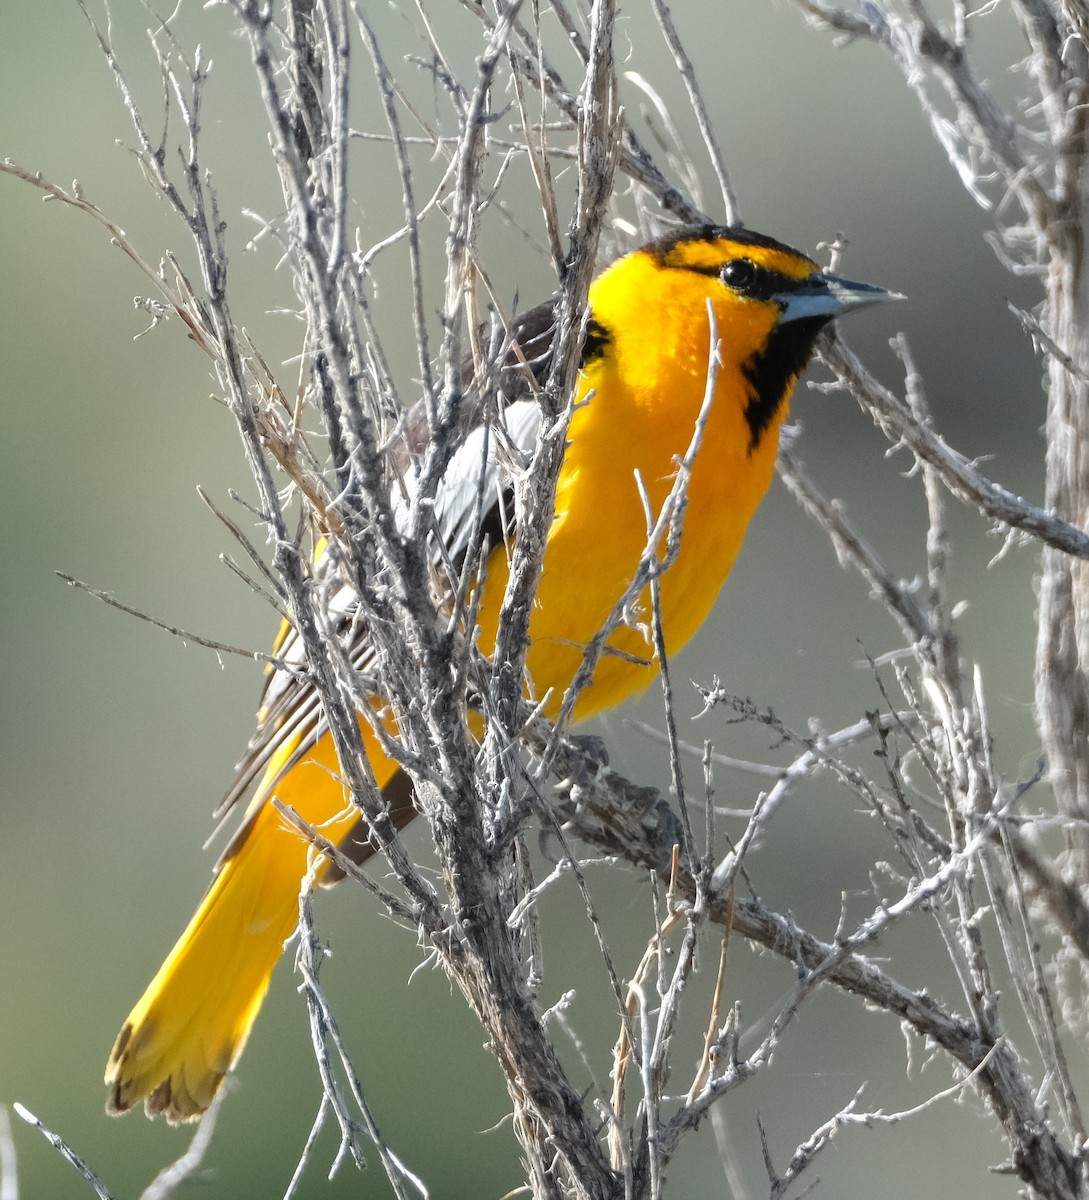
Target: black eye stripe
746, 278
756, 282
739, 273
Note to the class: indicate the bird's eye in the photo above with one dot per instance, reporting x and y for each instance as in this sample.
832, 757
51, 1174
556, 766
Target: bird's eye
738, 274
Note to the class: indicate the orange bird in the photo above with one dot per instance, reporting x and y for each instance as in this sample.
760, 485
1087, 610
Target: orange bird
641, 385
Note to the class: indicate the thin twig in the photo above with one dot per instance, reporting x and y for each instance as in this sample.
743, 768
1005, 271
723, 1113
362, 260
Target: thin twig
64, 1150
184, 634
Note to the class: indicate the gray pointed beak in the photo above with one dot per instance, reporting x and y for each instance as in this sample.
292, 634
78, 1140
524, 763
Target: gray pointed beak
825, 297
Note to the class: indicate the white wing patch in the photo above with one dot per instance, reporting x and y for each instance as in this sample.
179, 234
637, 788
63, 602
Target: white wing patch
479, 478
475, 492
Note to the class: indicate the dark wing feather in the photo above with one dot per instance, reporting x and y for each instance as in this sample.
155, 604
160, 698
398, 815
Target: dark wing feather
473, 496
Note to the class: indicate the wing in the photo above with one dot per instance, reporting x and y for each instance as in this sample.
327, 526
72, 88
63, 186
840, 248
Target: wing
497, 434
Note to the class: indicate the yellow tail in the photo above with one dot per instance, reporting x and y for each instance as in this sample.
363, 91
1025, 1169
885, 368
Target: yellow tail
191, 1024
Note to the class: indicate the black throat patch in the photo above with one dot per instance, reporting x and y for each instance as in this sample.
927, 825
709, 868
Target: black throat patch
597, 341
772, 370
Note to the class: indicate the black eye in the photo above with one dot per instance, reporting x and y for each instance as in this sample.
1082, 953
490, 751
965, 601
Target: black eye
739, 274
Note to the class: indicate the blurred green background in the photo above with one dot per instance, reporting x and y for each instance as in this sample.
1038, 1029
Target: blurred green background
116, 740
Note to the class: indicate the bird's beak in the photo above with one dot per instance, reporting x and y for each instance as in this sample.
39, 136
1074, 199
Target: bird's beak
824, 297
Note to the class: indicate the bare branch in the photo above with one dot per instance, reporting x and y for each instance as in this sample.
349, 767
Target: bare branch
954, 470
64, 1150
195, 638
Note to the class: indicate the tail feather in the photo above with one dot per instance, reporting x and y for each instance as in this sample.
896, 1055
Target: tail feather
191, 1024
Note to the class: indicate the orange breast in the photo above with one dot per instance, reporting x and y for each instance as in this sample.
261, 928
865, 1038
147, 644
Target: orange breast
641, 417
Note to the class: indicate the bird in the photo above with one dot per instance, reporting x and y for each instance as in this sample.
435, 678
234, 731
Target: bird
642, 383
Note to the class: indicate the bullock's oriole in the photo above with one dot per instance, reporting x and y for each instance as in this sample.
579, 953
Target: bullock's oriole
642, 382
